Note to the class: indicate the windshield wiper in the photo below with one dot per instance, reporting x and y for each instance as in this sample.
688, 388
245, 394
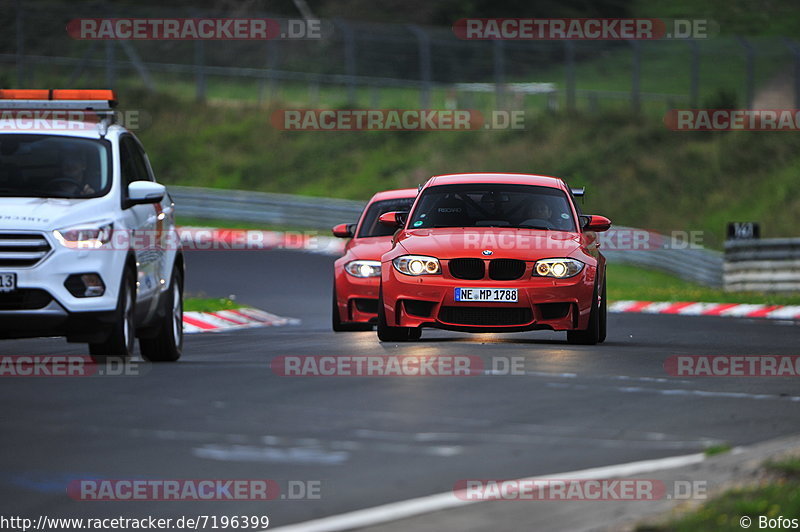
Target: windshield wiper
533, 227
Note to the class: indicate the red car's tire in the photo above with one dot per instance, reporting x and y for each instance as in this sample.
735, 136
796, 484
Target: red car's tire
603, 314
387, 333
590, 335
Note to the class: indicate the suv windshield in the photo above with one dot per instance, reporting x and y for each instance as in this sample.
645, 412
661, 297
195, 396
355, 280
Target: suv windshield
493, 205
371, 227
52, 166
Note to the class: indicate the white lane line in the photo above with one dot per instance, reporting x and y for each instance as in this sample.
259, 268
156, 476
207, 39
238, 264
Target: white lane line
441, 501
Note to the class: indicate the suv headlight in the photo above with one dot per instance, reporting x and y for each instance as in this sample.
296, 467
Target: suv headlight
558, 268
417, 265
363, 268
85, 236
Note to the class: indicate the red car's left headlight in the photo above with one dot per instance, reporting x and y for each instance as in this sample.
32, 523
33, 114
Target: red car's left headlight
363, 268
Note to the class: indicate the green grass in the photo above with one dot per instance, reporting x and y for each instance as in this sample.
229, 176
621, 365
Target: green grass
198, 304
721, 448
632, 283
789, 467
776, 496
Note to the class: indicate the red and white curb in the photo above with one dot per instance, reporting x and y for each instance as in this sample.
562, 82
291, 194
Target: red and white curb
690, 308
227, 320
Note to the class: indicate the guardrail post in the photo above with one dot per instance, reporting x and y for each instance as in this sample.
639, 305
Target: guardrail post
272, 55
199, 71
636, 96
425, 65
498, 59
111, 66
694, 89
749, 58
796, 60
20, 31
349, 59
569, 66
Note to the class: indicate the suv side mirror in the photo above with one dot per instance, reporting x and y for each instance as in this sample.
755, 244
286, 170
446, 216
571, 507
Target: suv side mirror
393, 219
344, 230
593, 222
144, 192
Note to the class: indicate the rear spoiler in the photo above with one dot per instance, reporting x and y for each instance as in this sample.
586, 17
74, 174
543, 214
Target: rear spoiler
578, 192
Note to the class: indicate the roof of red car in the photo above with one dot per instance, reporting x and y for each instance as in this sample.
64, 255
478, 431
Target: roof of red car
395, 194
514, 179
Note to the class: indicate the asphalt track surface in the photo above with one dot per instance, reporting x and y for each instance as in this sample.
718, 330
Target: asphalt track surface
221, 413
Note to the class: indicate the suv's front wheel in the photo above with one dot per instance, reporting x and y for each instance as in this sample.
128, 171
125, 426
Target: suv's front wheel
167, 344
120, 341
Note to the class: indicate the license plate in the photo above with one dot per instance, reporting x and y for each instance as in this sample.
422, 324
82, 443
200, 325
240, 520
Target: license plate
499, 295
8, 282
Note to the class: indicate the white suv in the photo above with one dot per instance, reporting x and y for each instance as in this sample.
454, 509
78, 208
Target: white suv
88, 245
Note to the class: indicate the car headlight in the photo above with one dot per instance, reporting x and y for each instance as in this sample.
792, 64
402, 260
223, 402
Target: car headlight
417, 265
363, 268
86, 236
559, 268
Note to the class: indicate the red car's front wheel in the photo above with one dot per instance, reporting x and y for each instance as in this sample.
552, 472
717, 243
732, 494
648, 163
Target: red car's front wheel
387, 333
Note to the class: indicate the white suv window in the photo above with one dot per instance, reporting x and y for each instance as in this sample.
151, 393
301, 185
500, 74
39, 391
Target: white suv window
53, 166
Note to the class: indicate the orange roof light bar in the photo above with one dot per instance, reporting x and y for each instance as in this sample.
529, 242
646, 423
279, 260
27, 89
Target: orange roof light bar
58, 94
24, 94
83, 94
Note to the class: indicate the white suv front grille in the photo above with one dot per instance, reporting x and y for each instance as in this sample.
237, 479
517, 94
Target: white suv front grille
22, 250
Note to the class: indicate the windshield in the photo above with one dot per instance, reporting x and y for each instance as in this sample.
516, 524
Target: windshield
493, 205
52, 166
370, 227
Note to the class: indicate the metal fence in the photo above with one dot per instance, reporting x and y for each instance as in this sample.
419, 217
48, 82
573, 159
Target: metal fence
691, 263
362, 64
768, 265
698, 265
264, 208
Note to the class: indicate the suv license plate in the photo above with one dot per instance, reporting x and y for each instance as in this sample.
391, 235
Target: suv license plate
8, 282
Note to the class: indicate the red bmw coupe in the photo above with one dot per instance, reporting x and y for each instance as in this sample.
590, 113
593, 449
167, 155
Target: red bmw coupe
494, 253
357, 273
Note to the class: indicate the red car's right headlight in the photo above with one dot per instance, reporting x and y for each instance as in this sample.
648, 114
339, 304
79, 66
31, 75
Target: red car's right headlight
417, 265
558, 268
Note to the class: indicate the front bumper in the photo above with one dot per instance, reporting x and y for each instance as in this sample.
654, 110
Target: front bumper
54, 320
357, 298
543, 303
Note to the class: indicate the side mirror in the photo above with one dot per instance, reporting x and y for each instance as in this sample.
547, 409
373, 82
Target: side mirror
143, 192
595, 223
344, 230
393, 219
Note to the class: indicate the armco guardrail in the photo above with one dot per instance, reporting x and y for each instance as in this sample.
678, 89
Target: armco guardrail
768, 265
692, 263
261, 207
674, 256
